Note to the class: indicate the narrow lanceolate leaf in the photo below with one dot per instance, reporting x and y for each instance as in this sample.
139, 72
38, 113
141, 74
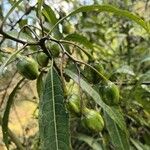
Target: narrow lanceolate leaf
79, 39
90, 141
119, 138
111, 9
40, 3
39, 84
53, 119
96, 97
52, 19
5, 118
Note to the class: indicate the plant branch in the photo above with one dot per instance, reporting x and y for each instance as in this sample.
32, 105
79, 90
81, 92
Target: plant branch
81, 62
7, 36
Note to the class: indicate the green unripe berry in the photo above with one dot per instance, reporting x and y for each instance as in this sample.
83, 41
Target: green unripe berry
92, 120
68, 28
28, 68
55, 50
110, 93
73, 105
42, 59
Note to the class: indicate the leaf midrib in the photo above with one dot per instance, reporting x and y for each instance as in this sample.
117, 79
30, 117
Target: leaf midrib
53, 100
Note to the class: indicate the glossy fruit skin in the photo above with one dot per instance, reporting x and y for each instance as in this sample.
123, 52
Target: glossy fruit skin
55, 50
91, 75
73, 105
42, 59
28, 68
92, 120
110, 93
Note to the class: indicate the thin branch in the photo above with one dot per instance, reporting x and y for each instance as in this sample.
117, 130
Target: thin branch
7, 36
81, 62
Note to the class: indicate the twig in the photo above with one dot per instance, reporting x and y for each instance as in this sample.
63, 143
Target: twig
7, 36
81, 62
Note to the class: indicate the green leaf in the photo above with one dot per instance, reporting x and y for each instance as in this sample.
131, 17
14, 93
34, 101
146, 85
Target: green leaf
90, 141
79, 39
87, 88
119, 138
5, 118
138, 145
40, 3
107, 8
125, 70
11, 57
39, 84
146, 59
53, 118
10, 11
51, 17
22, 36
49, 14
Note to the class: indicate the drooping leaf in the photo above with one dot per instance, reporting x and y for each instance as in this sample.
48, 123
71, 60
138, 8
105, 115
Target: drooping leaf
146, 59
22, 36
5, 118
125, 70
138, 145
90, 141
96, 97
118, 137
107, 8
39, 84
53, 118
40, 3
79, 39
52, 19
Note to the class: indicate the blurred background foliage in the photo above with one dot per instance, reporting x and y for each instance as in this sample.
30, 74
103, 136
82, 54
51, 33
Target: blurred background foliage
120, 45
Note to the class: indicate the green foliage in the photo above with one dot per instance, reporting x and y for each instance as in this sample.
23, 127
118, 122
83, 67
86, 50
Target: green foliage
96, 97
28, 67
53, 119
94, 61
42, 59
119, 138
5, 119
92, 120
110, 93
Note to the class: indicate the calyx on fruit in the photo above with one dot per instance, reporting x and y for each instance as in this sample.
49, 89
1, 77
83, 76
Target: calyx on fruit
42, 59
110, 93
91, 74
73, 105
28, 67
92, 120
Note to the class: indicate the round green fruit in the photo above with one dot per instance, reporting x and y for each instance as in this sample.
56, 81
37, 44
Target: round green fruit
73, 105
42, 59
110, 93
68, 28
55, 50
92, 120
28, 68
